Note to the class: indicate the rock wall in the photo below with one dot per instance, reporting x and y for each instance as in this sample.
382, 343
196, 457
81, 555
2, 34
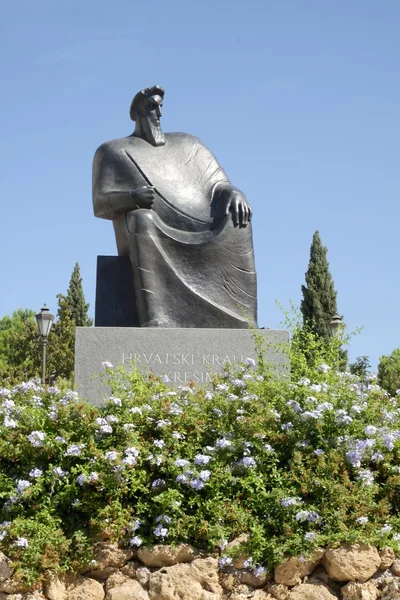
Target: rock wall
350, 572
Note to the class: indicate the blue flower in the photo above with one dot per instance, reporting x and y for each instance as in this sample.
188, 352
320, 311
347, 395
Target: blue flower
202, 459
136, 541
196, 484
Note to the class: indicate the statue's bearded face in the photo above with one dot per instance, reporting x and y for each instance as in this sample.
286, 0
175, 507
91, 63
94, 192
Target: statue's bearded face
150, 121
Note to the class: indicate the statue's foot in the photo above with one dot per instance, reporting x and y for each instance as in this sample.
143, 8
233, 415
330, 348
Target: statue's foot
154, 323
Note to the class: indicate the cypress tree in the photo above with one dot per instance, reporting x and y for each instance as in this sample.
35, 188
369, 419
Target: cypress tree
74, 303
319, 296
72, 312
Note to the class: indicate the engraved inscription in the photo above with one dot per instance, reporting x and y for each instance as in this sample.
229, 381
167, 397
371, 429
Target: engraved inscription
183, 367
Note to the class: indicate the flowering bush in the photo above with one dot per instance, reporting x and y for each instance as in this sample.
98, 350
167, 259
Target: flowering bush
294, 462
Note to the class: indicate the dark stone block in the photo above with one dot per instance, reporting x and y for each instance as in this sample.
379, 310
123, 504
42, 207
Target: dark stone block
115, 295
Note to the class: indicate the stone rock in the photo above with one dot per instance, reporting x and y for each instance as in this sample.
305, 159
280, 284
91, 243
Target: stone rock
279, 591
258, 595
197, 580
143, 576
292, 571
101, 574
5, 569
86, 589
360, 591
261, 595
396, 567
34, 596
229, 581
254, 581
130, 590
111, 555
108, 558
54, 587
352, 562
166, 556
130, 568
391, 590
240, 558
387, 557
13, 586
381, 577
115, 580
319, 575
309, 591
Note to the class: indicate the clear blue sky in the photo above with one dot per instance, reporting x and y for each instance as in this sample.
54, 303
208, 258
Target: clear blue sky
299, 101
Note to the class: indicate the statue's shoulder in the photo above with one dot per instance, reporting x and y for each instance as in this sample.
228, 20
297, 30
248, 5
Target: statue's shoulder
113, 146
183, 138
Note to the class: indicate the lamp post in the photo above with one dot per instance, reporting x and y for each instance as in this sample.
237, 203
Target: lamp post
335, 326
44, 320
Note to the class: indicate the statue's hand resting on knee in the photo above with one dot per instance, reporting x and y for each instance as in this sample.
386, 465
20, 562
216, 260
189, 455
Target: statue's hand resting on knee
228, 199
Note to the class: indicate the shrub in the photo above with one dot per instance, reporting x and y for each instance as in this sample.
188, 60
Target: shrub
295, 463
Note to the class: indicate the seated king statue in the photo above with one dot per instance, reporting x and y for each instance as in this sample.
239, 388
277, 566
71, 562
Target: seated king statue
185, 228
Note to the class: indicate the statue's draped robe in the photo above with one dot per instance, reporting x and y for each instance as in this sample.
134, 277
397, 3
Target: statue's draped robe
191, 266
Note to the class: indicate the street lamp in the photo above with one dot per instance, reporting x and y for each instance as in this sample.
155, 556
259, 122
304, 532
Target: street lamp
44, 320
335, 326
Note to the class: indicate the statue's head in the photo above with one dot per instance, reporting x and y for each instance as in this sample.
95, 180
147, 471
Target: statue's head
146, 112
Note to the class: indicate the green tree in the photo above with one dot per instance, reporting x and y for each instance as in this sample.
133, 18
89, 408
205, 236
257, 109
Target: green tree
74, 303
72, 312
360, 366
20, 352
318, 305
20, 344
389, 372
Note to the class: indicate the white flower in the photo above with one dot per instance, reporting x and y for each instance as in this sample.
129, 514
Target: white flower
136, 541
74, 450
310, 535
135, 410
202, 459
196, 484
365, 476
37, 438
22, 542
93, 477
59, 472
205, 475
225, 561
370, 430
81, 479
362, 520
259, 571
223, 443
181, 462
106, 365
116, 401
385, 529
11, 423
112, 419
160, 531
36, 473
22, 485
290, 501
106, 429
111, 455
159, 443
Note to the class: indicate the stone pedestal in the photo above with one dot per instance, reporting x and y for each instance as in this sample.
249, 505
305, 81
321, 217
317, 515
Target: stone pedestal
182, 355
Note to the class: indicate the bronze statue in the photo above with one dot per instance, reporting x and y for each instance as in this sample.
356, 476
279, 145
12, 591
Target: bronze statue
184, 226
